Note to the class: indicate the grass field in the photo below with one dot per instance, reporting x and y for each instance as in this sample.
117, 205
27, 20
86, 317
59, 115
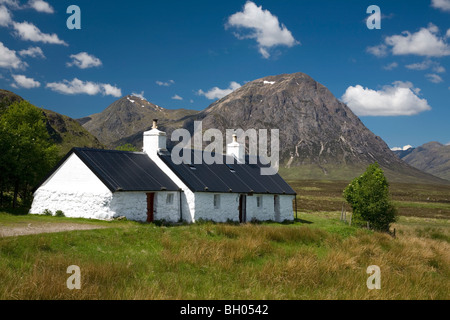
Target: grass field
317, 257
414, 200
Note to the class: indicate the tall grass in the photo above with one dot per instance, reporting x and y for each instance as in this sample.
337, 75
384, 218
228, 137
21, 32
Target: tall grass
221, 261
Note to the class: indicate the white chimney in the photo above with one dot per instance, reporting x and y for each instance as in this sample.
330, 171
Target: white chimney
236, 150
154, 140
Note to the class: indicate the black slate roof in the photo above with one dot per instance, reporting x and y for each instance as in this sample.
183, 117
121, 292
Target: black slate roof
123, 170
135, 171
238, 178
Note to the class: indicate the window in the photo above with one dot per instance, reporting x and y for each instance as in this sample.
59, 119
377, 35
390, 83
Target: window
259, 201
216, 201
169, 199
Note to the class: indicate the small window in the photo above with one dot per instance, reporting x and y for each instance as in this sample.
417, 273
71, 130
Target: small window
259, 201
169, 199
216, 201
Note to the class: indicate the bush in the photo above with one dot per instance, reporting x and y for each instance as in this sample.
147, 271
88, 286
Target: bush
48, 212
59, 213
368, 195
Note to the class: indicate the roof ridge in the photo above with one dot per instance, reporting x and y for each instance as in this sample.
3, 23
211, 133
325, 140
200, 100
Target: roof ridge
107, 150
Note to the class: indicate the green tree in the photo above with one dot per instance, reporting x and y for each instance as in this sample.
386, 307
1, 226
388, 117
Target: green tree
27, 152
368, 195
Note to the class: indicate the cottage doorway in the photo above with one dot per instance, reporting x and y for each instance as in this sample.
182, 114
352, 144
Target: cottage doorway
243, 208
150, 207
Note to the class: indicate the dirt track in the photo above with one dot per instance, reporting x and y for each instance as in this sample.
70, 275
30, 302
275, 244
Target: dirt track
36, 228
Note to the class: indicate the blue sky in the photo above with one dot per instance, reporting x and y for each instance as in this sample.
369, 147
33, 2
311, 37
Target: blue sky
187, 54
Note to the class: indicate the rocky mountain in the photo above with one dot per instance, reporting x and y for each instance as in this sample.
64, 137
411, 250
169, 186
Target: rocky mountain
320, 137
64, 131
125, 120
432, 157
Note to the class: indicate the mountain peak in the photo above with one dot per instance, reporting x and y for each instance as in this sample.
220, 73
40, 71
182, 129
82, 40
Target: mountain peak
317, 132
432, 144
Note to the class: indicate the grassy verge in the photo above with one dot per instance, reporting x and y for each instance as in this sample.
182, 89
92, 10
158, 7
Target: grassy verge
317, 257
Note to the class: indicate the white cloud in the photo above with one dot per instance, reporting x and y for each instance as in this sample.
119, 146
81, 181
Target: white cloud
9, 58
11, 3
41, 6
34, 52
77, 86
217, 93
165, 84
84, 60
441, 4
28, 31
379, 51
419, 66
391, 66
177, 97
5, 16
139, 95
434, 78
425, 42
109, 90
396, 100
407, 147
425, 65
24, 82
264, 27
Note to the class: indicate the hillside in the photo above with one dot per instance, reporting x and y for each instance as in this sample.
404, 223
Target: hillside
432, 157
125, 120
64, 131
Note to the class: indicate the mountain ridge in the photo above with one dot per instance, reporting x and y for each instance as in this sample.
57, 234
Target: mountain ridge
432, 157
121, 120
318, 133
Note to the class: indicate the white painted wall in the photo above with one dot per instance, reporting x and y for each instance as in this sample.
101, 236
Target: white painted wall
267, 210
227, 209
75, 190
286, 208
167, 211
133, 206
74, 175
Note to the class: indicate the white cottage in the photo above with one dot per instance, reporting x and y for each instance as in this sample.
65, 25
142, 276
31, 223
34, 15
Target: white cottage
149, 186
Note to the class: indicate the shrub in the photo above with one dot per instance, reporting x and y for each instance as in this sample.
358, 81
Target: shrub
368, 195
59, 213
48, 212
